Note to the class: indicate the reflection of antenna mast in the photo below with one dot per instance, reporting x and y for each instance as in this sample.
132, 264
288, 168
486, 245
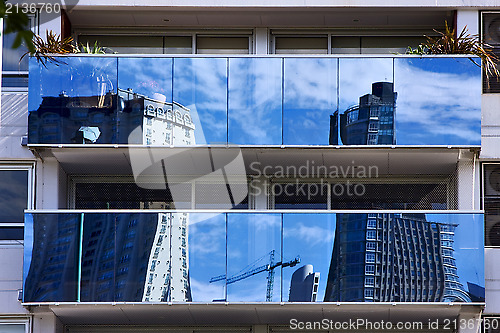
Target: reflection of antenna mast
267, 267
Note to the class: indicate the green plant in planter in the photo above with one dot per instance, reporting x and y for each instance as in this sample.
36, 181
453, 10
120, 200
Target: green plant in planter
464, 43
52, 44
95, 49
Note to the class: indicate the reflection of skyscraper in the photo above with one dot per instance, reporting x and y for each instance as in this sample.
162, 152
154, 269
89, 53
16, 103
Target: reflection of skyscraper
372, 122
304, 285
393, 258
170, 251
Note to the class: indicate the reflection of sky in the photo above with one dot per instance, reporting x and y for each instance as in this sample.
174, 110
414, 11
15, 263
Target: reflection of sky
311, 237
438, 98
439, 101
356, 76
469, 245
201, 85
255, 101
310, 97
207, 256
28, 245
76, 76
147, 76
13, 195
250, 237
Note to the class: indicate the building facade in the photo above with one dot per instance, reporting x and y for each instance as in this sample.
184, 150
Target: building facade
147, 187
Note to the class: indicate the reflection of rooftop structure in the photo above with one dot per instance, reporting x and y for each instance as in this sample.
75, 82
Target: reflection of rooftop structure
61, 119
372, 122
304, 285
393, 258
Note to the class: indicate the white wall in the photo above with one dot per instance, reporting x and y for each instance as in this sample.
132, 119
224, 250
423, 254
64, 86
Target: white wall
11, 279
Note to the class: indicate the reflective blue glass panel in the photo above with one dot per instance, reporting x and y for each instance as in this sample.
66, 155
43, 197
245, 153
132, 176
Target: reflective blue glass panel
255, 101
310, 98
117, 255
439, 101
51, 257
308, 237
74, 101
367, 102
253, 249
145, 91
207, 257
200, 84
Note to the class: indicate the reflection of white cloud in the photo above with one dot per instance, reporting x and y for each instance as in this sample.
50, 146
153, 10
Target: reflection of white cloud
207, 238
206, 292
312, 235
267, 222
357, 75
442, 103
255, 99
311, 84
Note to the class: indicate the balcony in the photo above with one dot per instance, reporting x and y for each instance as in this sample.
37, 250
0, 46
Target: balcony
253, 257
264, 101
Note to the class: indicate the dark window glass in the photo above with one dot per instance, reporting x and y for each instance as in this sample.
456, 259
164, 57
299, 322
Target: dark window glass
11, 233
300, 196
13, 195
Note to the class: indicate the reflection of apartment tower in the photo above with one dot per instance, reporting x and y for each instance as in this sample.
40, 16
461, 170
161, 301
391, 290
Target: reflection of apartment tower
163, 124
393, 258
114, 252
62, 119
304, 285
168, 264
372, 122
52, 274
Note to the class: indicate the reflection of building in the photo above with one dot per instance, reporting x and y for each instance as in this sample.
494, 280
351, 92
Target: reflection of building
53, 269
60, 120
304, 285
393, 258
372, 122
168, 265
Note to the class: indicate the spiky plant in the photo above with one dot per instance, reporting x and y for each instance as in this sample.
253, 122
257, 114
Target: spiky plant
95, 49
448, 42
52, 44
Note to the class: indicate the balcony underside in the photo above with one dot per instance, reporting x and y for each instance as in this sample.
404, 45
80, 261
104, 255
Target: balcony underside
390, 161
250, 314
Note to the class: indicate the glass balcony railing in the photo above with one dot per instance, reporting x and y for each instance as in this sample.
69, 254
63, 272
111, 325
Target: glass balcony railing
182, 101
253, 257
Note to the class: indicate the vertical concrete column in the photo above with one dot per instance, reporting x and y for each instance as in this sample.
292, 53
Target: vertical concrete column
468, 18
467, 184
46, 322
259, 189
261, 43
50, 184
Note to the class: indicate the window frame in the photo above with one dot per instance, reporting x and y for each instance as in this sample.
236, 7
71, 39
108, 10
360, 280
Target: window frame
17, 321
30, 168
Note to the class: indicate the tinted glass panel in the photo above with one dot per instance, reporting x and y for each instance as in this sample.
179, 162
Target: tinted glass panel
253, 248
13, 195
181, 257
75, 101
201, 85
255, 101
207, 257
11, 233
222, 45
310, 96
301, 45
51, 254
439, 100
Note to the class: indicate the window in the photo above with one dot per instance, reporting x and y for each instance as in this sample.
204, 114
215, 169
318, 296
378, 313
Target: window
371, 224
369, 292
369, 269
370, 257
188, 43
371, 245
14, 73
369, 281
374, 44
16, 191
301, 45
371, 234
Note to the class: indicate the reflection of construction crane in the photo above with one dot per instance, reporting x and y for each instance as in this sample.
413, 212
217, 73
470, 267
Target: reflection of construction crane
253, 271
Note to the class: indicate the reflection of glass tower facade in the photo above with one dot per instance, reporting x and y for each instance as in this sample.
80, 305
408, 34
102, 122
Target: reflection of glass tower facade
393, 258
372, 122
